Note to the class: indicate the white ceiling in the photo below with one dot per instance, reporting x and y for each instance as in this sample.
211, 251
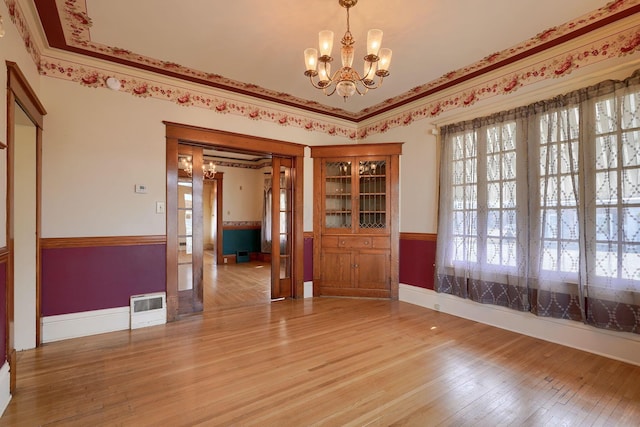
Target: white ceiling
261, 42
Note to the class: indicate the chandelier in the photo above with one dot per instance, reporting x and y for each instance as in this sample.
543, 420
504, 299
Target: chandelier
346, 81
208, 170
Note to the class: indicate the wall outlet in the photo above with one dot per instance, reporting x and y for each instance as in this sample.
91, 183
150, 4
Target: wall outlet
436, 307
225, 260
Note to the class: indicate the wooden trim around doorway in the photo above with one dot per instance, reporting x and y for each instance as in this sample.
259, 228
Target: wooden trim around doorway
179, 134
20, 91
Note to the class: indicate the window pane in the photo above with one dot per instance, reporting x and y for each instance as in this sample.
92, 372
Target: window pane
631, 224
630, 115
569, 224
493, 223
631, 148
509, 136
458, 249
569, 257
606, 260
606, 152
550, 224
569, 157
606, 188
631, 185
569, 124
470, 145
465, 249
457, 173
493, 195
509, 194
472, 222
549, 191
509, 165
569, 187
605, 116
471, 197
550, 255
457, 227
493, 251
509, 223
493, 140
493, 167
470, 170
631, 262
458, 197
606, 224
509, 252
549, 160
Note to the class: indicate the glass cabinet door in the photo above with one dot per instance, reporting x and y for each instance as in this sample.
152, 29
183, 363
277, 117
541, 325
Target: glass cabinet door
338, 197
372, 194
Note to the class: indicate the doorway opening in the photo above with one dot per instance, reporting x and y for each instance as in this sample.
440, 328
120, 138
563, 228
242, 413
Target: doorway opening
25, 117
208, 243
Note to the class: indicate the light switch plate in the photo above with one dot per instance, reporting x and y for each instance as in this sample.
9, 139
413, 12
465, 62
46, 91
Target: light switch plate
159, 207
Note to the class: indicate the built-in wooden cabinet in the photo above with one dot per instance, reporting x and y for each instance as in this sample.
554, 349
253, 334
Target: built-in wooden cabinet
356, 220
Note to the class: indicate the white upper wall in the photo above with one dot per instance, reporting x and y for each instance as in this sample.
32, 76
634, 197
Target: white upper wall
242, 190
99, 143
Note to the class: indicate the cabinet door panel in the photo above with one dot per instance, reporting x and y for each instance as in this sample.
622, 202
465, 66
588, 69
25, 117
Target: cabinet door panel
373, 270
337, 269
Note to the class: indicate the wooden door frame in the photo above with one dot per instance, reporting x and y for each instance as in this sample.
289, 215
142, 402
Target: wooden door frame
177, 133
217, 184
19, 90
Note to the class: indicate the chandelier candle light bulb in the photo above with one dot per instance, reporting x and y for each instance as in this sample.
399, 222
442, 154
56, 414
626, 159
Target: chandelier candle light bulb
346, 81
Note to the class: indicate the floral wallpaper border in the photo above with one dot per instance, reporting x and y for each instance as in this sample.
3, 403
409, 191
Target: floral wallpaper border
623, 43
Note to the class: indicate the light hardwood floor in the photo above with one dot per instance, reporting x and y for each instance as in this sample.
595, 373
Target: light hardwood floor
320, 361
233, 285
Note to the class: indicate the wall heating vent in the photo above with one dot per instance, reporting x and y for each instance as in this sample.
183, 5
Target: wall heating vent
148, 310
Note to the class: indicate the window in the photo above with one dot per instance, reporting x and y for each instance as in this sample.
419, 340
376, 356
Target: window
540, 207
559, 190
617, 183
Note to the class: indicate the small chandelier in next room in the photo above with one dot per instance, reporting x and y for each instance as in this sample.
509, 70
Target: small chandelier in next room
346, 81
208, 170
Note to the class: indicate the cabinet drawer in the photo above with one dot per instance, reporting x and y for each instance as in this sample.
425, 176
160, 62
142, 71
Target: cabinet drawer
329, 241
357, 242
381, 242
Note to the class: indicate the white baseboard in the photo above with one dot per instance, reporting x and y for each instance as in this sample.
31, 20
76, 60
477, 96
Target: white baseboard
74, 325
621, 346
5, 384
308, 290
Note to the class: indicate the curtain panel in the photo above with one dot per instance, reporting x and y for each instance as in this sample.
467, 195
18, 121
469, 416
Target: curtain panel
540, 207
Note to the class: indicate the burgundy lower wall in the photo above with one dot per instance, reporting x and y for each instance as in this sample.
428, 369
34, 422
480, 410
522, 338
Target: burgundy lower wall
308, 259
94, 278
3, 312
416, 262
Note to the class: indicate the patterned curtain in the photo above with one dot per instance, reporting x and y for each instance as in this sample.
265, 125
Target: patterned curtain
540, 207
